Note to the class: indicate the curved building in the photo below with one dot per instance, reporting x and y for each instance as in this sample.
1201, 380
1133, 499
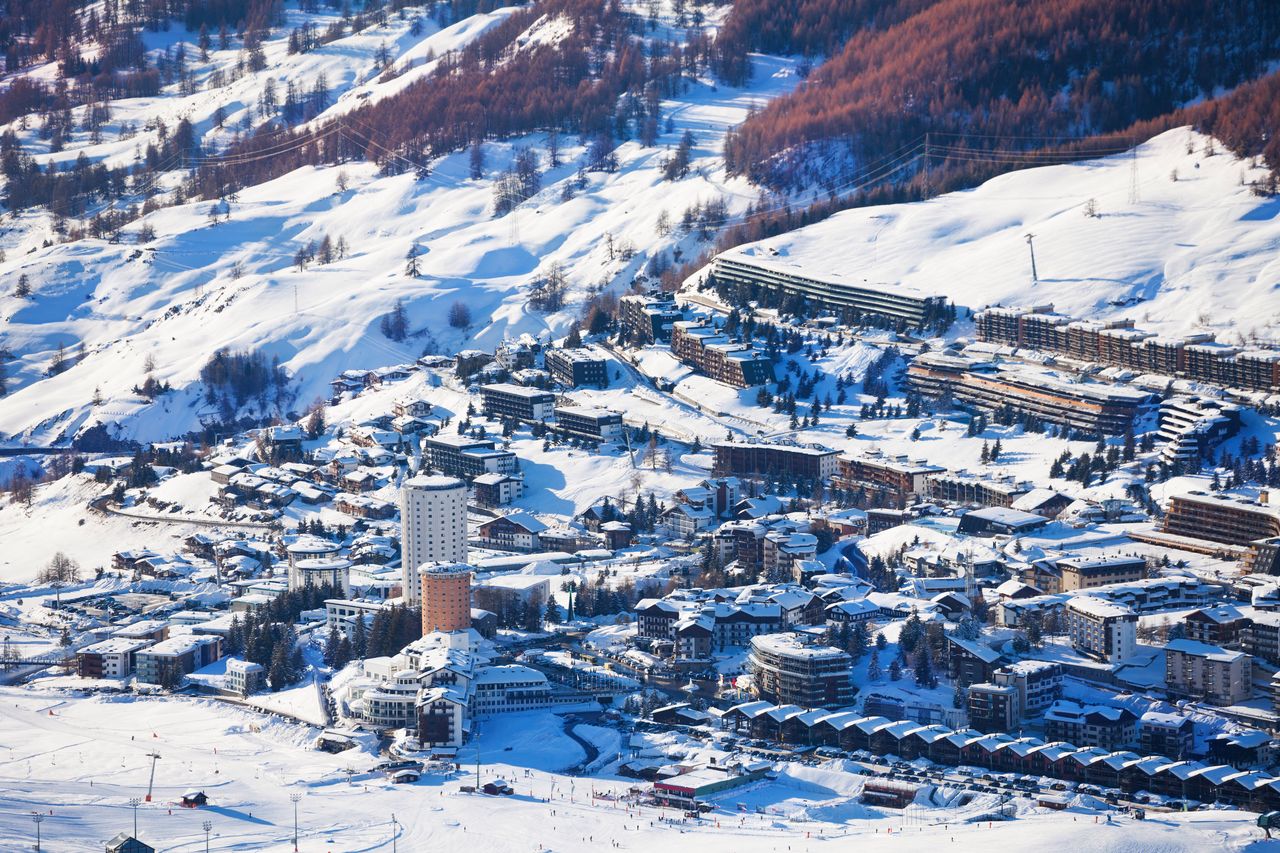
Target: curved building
319, 571
446, 597
433, 522
309, 547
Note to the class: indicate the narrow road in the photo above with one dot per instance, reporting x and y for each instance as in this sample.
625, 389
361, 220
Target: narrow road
587, 746
646, 383
102, 505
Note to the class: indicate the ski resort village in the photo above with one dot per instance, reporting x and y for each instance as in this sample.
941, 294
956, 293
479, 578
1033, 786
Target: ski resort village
396, 455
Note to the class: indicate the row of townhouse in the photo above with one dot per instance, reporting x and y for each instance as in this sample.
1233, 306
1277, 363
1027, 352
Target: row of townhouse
1117, 343
998, 751
730, 624
355, 381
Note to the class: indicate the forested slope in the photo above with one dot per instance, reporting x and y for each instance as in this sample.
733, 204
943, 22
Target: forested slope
993, 75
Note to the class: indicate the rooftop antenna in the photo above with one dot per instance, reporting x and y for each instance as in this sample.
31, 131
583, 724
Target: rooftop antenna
1035, 278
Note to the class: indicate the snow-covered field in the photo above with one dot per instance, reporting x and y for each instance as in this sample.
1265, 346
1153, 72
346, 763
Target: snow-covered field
78, 761
1195, 251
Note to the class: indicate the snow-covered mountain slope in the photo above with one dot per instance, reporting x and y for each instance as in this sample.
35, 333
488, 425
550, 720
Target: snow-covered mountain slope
200, 286
1196, 250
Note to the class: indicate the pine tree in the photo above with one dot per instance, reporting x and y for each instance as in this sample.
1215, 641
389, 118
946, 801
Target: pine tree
924, 670
1035, 631
359, 639
911, 632
379, 638
873, 668
532, 618
278, 671
297, 666
895, 670
235, 636
552, 613
331, 646
858, 641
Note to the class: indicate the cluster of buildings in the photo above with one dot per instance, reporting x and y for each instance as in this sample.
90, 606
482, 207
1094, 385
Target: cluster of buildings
1117, 343
437, 686
154, 652
1091, 407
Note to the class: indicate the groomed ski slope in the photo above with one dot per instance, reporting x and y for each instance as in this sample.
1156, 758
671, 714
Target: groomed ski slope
84, 758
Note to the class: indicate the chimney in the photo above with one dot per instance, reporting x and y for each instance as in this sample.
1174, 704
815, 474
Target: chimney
1264, 497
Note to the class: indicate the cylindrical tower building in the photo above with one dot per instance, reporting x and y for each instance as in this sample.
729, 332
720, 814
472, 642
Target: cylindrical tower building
433, 527
446, 597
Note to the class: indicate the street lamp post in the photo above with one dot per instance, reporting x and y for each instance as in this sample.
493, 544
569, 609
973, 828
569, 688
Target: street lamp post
206, 826
37, 819
394, 833
295, 796
135, 802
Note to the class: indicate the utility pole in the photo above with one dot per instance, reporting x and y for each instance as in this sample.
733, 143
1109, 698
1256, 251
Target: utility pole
394, 833
37, 819
154, 756
1035, 279
295, 796
135, 802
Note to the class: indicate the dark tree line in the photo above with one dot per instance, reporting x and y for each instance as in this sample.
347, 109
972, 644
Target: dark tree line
601, 82
989, 76
241, 375
389, 631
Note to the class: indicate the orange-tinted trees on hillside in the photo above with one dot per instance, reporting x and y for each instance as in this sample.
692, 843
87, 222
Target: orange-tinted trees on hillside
1001, 74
